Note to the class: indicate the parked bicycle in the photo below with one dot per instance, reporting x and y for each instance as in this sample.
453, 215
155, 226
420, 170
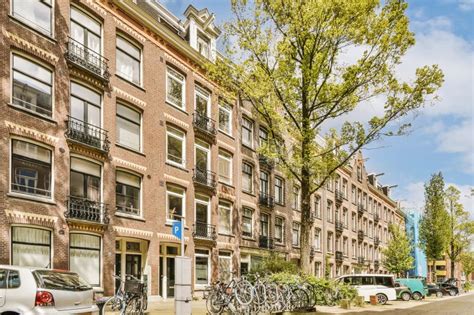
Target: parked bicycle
130, 297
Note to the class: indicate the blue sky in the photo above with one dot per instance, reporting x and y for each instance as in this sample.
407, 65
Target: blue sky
442, 137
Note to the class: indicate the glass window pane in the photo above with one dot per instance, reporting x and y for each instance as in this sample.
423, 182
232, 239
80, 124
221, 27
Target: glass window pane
128, 67
201, 270
34, 12
85, 20
32, 69
84, 166
128, 48
128, 133
86, 94
128, 113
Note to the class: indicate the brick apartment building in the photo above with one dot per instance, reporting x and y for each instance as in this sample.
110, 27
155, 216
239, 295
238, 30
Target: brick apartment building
109, 130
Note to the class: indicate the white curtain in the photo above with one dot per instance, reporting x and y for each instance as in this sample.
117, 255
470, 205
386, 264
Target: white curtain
34, 249
86, 259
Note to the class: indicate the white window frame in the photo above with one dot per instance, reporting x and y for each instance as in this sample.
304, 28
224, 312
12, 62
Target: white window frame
252, 129
208, 256
51, 242
227, 257
199, 91
203, 200
174, 75
228, 157
140, 49
101, 251
118, 213
183, 196
176, 133
33, 25
200, 145
228, 206
228, 109
140, 145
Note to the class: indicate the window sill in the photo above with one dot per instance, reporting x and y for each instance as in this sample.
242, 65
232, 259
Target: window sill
32, 113
129, 216
296, 246
225, 234
129, 149
31, 198
227, 185
248, 238
248, 147
49, 37
249, 193
130, 82
183, 110
281, 244
280, 204
226, 134
180, 167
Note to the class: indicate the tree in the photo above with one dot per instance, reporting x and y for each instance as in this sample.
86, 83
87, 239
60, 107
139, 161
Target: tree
467, 261
397, 255
434, 224
291, 61
461, 228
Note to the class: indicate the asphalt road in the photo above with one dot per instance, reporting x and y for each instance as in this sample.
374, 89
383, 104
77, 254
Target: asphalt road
463, 305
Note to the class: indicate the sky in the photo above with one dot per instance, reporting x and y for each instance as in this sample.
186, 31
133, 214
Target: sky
442, 134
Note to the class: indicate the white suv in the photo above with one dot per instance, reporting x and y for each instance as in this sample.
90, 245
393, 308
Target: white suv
382, 286
28, 290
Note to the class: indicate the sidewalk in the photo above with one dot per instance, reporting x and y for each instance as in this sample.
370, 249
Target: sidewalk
199, 307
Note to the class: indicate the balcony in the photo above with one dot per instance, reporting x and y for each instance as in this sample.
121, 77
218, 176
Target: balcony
376, 241
339, 256
88, 60
312, 216
265, 162
376, 218
266, 200
205, 178
204, 231
205, 125
86, 210
339, 195
339, 226
360, 235
312, 252
376, 264
266, 242
87, 134
360, 260
360, 209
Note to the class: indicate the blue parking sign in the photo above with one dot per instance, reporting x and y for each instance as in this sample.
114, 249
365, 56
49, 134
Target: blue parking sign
176, 229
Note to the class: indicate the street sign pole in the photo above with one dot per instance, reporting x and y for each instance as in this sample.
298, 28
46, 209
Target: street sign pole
182, 237
183, 295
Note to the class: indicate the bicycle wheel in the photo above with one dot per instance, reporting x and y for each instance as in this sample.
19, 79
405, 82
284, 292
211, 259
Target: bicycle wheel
112, 306
213, 304
300, 299
243, 292
134, 306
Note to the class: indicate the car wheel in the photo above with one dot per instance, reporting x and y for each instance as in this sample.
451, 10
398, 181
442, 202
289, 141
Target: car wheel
452, 292
381, 298
439, 294
417, 296
406, 296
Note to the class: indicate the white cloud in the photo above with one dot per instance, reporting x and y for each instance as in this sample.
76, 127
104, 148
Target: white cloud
466, 5
459, 139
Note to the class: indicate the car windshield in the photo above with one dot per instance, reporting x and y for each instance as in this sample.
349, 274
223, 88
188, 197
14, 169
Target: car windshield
60, 280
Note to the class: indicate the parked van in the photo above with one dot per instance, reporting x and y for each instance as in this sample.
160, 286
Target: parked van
418, 287
382, 286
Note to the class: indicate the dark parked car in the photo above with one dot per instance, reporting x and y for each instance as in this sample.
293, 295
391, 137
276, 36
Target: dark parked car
449, 287
434, 289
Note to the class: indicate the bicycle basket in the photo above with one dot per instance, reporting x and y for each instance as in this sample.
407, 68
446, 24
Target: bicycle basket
134, 286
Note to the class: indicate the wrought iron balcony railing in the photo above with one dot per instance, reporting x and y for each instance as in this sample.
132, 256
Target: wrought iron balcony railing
376, 264
339, 195
205, 124
87, 59
376, 218
360, 209
266, 242
205, 178
266, 200
339, 256
87, 134
376, 241
83, 209
203, 230
360, 235
339, 226
361, 260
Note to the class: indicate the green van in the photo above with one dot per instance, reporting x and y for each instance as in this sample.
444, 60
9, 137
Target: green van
417, 287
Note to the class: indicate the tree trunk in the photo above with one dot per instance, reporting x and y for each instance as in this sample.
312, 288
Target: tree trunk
452, 263
433, 270
306, 225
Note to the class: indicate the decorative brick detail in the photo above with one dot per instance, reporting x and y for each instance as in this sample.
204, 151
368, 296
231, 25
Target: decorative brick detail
128, 97
248, 204
176, 121
138, 167
129, 30
14, 216
29, 47
79, 149
176, 180
170, 237
30, 133
87, 228
123, 231
73, 72
176, 62
226, 146
95, 5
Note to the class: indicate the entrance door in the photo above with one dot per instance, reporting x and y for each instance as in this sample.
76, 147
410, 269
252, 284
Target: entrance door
118, 270
167, 269
170, 276
133, 265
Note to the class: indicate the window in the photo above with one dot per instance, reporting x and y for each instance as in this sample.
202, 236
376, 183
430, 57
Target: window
9, 279
36, 13
202, 101
225, 266
345, 188
359, 173
247, 132
317, 206
225, 167
317, 269
353, 192
296, 198
225, 218
296, 234
385, 281
176, 200
330, 213
85, 114
31, 169
264, 184
175, 147
354, 221
31, 247
345, 217
85, 180
175, 90
127, 193
247, 222
264, 224
202, 268
128, 127
263, 136
279, 229
279, 191
86, 40
32, 86
317, 239
203, 46
330, 242
128, 59
247, 177
84, 252
225, 118
345, 246
354, 249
